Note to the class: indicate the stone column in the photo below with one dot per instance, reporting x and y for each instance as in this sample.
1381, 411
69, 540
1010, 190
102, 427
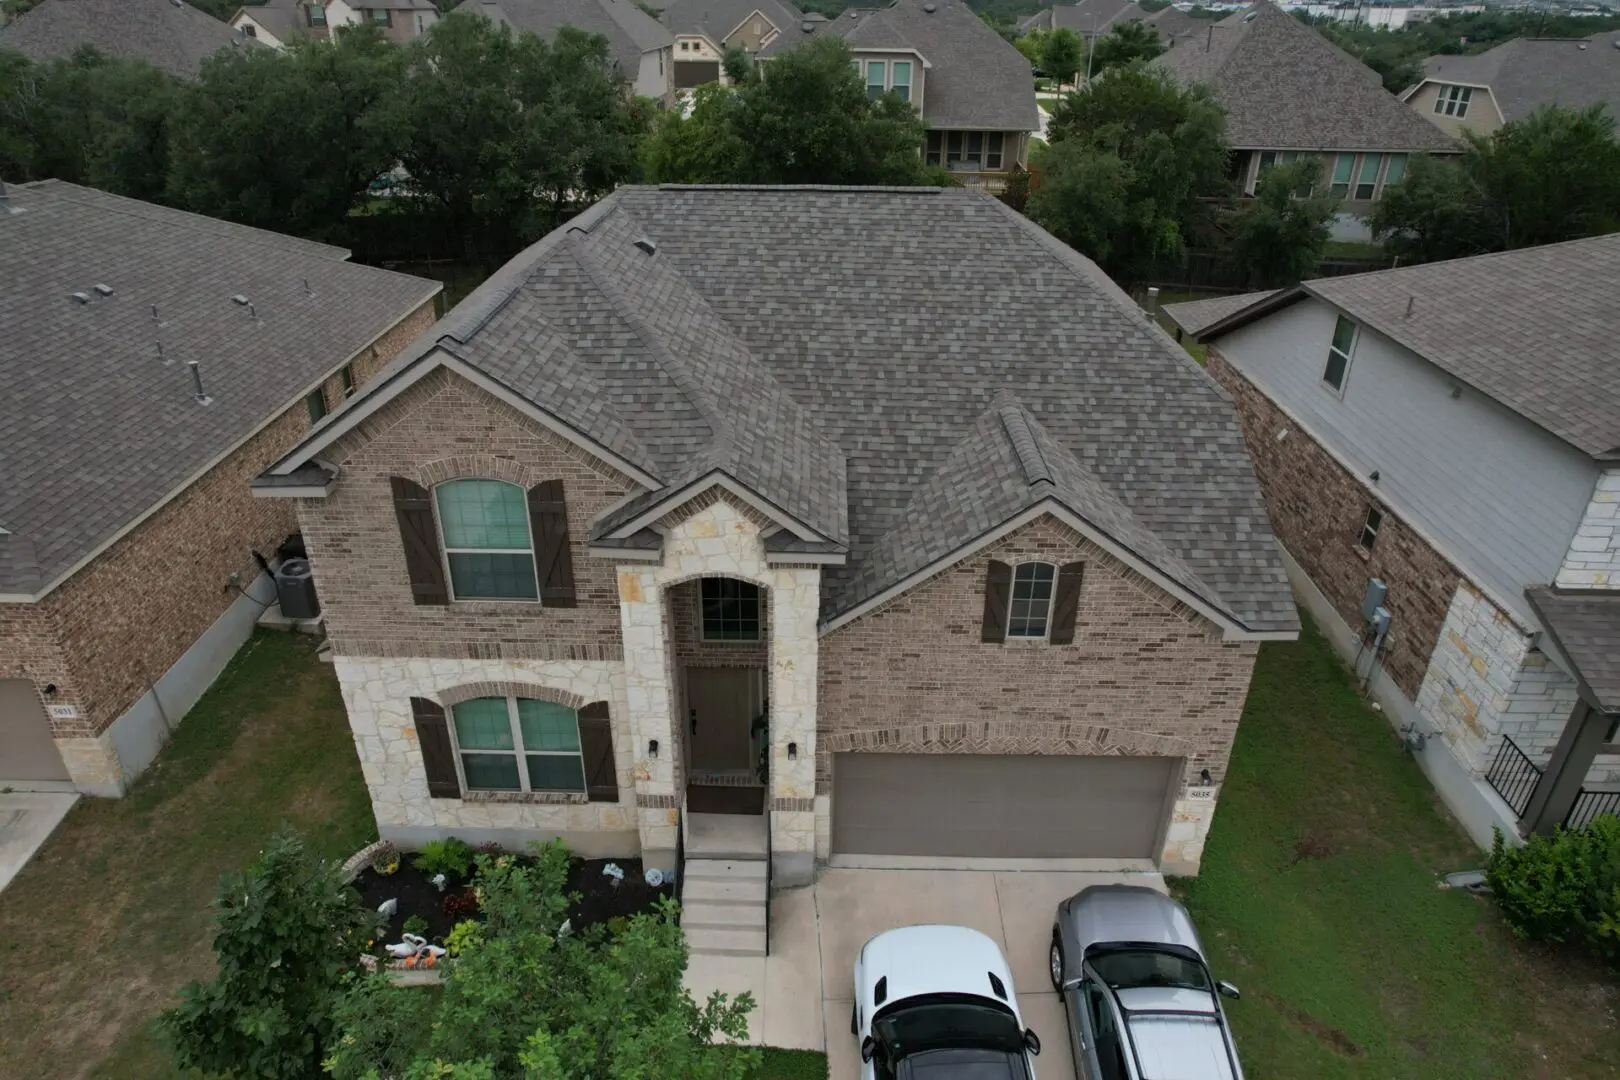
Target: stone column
647, 692
795, 606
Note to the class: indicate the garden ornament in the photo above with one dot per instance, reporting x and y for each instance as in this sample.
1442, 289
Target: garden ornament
388, 907
439, 881
614, 871
655, 876
410, 946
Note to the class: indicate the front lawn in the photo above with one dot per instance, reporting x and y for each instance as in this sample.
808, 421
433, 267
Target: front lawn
1318, 898
111, 917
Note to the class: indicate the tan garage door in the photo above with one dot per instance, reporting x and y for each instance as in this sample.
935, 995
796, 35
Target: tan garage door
977, 805
27, 751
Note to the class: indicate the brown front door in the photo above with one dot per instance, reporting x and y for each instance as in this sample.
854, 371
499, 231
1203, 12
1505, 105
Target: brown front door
721, 703
26, 749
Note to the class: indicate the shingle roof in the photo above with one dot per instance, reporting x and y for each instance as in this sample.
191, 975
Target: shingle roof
171, 37
1196, 316
629, 30
95, 427
1285, 87
854, 342
1088, 17
1533, 328
974, 79
1526, 73
714, 19
1585, 625
279, 17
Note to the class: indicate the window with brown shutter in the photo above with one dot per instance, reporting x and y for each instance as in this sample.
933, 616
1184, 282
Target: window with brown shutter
438, 759
997, 590
554, 562
414, 510
596, 745
1066, 603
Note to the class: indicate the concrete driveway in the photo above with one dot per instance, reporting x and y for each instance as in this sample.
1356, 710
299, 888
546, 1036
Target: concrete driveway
802, 991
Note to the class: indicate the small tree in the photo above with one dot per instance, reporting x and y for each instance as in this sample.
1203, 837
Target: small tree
1278, 237
1126, 43
1031, 45
1063, 54
736, 63
288, 929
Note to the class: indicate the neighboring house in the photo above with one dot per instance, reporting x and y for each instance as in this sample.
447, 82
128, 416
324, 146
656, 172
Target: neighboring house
1288, 92
973, 89
1453, 430
171, 36
876, 511
1094, 18
705, 29
128, 535
279, 21
1482, 92
640, 46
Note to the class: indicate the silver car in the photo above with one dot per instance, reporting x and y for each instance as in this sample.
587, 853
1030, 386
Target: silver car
1136, 990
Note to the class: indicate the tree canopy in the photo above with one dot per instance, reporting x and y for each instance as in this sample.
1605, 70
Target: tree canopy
1279, 235
1063, 54
1554, 175
1127, 43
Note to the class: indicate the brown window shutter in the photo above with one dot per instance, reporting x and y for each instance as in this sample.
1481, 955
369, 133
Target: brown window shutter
413, 506
548, 520
1066, 603
596, 746
997, 592
438, 759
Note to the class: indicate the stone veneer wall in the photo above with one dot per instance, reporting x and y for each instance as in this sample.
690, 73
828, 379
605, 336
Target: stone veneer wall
1145, 675
1593, 559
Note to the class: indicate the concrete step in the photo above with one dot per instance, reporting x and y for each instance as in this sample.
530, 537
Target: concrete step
726, 869
726, 836
721, 890
727, 942
703, 915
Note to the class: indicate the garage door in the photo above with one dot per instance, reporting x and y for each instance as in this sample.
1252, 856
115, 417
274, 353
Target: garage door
976, 805
27, 751
690, 74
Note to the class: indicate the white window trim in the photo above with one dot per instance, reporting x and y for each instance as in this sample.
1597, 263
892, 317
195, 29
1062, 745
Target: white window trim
445, 549
521, 753
1453, 100
703, 630
983, 164
1349, 357
1012, 597
1367, 526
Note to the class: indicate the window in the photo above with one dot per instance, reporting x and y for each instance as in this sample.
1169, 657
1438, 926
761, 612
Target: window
1453, 101
730, 610
1338, 361
1367, 179
1343, 167
485, 527
1369, 528
381, 16
902, 79
347, 376
1031, 600
992, 153
249, 29
686, 46
421, 24
1395, 170
316, 404
317, 14
518, 744
953, 148
877, 75
936, 141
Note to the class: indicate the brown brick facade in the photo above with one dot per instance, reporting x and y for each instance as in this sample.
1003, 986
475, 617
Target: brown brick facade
124, 619
1144, 675
442, 428
1317, 509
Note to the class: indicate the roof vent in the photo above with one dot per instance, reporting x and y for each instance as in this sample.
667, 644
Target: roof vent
807, 26
1582, 46
1251, 16
82, 297
104, 290
196, 384
930, 7
648, 245
239, 299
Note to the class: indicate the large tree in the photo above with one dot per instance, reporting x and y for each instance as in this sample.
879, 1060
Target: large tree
1063, 54
1279, 235
802, 118
1126, 43
1134, 161
1554, 175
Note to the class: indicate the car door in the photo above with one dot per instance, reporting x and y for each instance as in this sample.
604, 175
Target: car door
1104, 1057
1081, 1031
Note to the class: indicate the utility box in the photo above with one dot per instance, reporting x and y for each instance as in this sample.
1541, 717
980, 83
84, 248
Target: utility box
295, 590
1373, 599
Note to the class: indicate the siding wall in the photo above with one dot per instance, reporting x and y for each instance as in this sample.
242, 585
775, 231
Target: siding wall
1482, 115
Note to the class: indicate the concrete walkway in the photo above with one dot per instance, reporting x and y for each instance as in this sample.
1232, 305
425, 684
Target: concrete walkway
26, 819
802, 990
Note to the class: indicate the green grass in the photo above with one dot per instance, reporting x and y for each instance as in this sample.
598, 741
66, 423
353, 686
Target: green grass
1352, 249
791, 1065
1045, 104
1318, 897
112, 916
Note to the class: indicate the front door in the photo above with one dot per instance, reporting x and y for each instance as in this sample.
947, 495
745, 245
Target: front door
721, 703
27, 751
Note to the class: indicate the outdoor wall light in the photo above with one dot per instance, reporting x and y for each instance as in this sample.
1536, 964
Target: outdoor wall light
652, 747
793, 751
1203, 777
50, 689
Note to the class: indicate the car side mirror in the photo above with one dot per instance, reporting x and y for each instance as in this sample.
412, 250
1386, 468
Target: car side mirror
1228, 990
1032, 1041
868, 1049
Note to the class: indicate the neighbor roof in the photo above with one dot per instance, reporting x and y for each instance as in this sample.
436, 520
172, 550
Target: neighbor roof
1196, 316
1526, 73
96, 428
280, 17
1585, 626
1286, 87
172, 37
974, 79
1099, 16
894, 373
1533, 328
715, 19
629, 30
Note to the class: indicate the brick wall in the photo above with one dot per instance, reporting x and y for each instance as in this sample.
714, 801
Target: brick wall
31, 649
123, 620
442, 428
1144, 675
1317, 509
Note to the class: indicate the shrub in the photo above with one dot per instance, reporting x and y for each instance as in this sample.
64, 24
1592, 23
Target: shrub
467, 934
1564, 887
451, 857
415, 924
461, 904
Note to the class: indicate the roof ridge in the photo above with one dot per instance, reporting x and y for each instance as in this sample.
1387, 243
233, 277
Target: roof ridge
1016, 423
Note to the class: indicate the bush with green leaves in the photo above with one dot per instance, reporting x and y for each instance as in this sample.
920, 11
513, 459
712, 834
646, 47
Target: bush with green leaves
524, 1001
1564, 887
451, 857
288, 931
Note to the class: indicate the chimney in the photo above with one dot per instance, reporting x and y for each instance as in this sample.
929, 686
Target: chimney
1209, 37
1153, 302
196, 384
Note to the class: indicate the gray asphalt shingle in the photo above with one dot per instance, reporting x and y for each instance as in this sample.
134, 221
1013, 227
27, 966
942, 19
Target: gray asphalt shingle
629, 30
715, 19
171, 37
1585, 625
1196, 316
1527, 73
96, 427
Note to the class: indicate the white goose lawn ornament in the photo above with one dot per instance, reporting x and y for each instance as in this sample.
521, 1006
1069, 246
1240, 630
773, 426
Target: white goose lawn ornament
388, 907
413, 944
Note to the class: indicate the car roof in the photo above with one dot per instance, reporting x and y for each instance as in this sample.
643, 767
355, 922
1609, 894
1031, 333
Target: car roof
1105, 914
931, 959
1188, 1044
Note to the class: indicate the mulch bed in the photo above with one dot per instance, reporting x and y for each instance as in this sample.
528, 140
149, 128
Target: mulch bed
600, 899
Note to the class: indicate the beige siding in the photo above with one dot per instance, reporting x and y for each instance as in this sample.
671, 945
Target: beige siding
1482, 119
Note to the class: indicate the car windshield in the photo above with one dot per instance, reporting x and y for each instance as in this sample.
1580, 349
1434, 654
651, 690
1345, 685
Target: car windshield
1129, 969
945, 1022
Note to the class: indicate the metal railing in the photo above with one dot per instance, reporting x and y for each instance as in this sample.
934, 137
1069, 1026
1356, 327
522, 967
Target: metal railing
1513, 776
1590, 805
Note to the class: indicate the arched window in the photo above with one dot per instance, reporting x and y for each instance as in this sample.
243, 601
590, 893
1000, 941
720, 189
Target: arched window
1029, 614
484, 527
518, 744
